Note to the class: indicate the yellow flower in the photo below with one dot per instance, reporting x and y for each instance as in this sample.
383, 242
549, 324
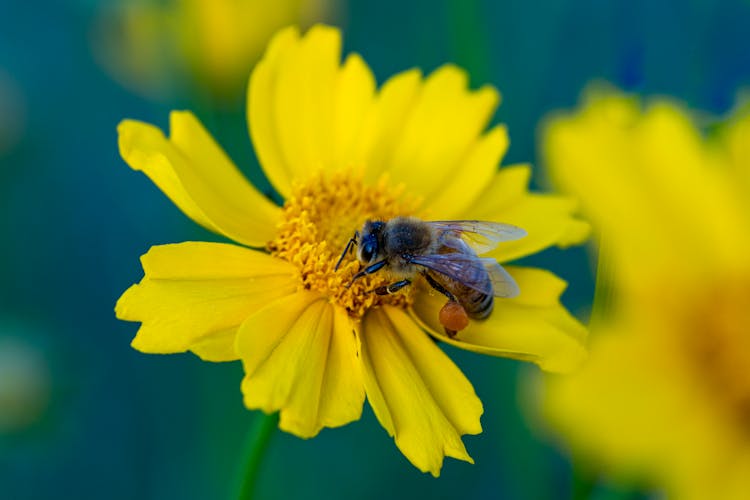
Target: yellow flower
341, 152
155, 46
665, 394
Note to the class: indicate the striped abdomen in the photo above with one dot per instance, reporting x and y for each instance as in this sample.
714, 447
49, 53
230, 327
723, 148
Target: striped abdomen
478, 305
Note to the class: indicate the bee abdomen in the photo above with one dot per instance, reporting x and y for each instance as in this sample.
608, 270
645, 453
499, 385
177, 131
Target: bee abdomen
477, 304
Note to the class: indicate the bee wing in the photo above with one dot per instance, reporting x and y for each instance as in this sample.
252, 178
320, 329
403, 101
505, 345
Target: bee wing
503, 284
472, 272
481, 236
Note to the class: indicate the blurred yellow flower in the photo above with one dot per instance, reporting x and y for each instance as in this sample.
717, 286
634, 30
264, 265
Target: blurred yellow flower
162, 47
341, 152
665, 394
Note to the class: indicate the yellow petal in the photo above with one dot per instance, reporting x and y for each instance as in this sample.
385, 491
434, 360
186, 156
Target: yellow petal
308, 113
303, 100
541, 288
342, 393
260, 111
218, 346
548, 220
481, 163
417, 393
304, 109
194, 172
532, 327
355, 97
300, 358
440, 133
383, 126
506, 189
194, 296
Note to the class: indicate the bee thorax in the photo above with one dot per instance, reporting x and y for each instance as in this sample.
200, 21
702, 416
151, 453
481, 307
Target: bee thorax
408, 235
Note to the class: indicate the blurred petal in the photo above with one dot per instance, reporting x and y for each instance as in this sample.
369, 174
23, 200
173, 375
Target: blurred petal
532, 327
548, 220
195, 295
628, 376
417, 393
639, 193
637, 405
735, 141
222, 39
664, 395
300, 358
194, 172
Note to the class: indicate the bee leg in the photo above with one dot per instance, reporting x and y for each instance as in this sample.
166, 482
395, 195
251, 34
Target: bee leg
450, 333
437, 286
392, 288
368, 270
349, 246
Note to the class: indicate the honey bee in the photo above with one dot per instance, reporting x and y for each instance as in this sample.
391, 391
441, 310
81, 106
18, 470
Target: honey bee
445, 253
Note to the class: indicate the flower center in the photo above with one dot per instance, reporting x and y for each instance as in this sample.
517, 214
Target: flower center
318, 220
719, 347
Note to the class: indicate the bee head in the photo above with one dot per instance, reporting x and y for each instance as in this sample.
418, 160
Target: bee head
369, 248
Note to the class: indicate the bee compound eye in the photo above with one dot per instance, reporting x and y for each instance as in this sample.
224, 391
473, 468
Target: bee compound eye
367, 251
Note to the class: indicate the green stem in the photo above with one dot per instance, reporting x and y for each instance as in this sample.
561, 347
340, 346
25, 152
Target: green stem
604, 291
255, 447
584, 481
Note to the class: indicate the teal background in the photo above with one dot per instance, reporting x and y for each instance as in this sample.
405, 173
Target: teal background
74, 219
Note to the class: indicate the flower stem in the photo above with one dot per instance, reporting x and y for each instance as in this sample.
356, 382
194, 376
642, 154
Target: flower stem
585, 475
256, 445
603, 292
584, 481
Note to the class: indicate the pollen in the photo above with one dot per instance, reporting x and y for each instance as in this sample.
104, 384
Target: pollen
318, 220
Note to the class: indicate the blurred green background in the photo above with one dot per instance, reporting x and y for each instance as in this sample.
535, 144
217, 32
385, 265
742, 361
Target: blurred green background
82, 415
